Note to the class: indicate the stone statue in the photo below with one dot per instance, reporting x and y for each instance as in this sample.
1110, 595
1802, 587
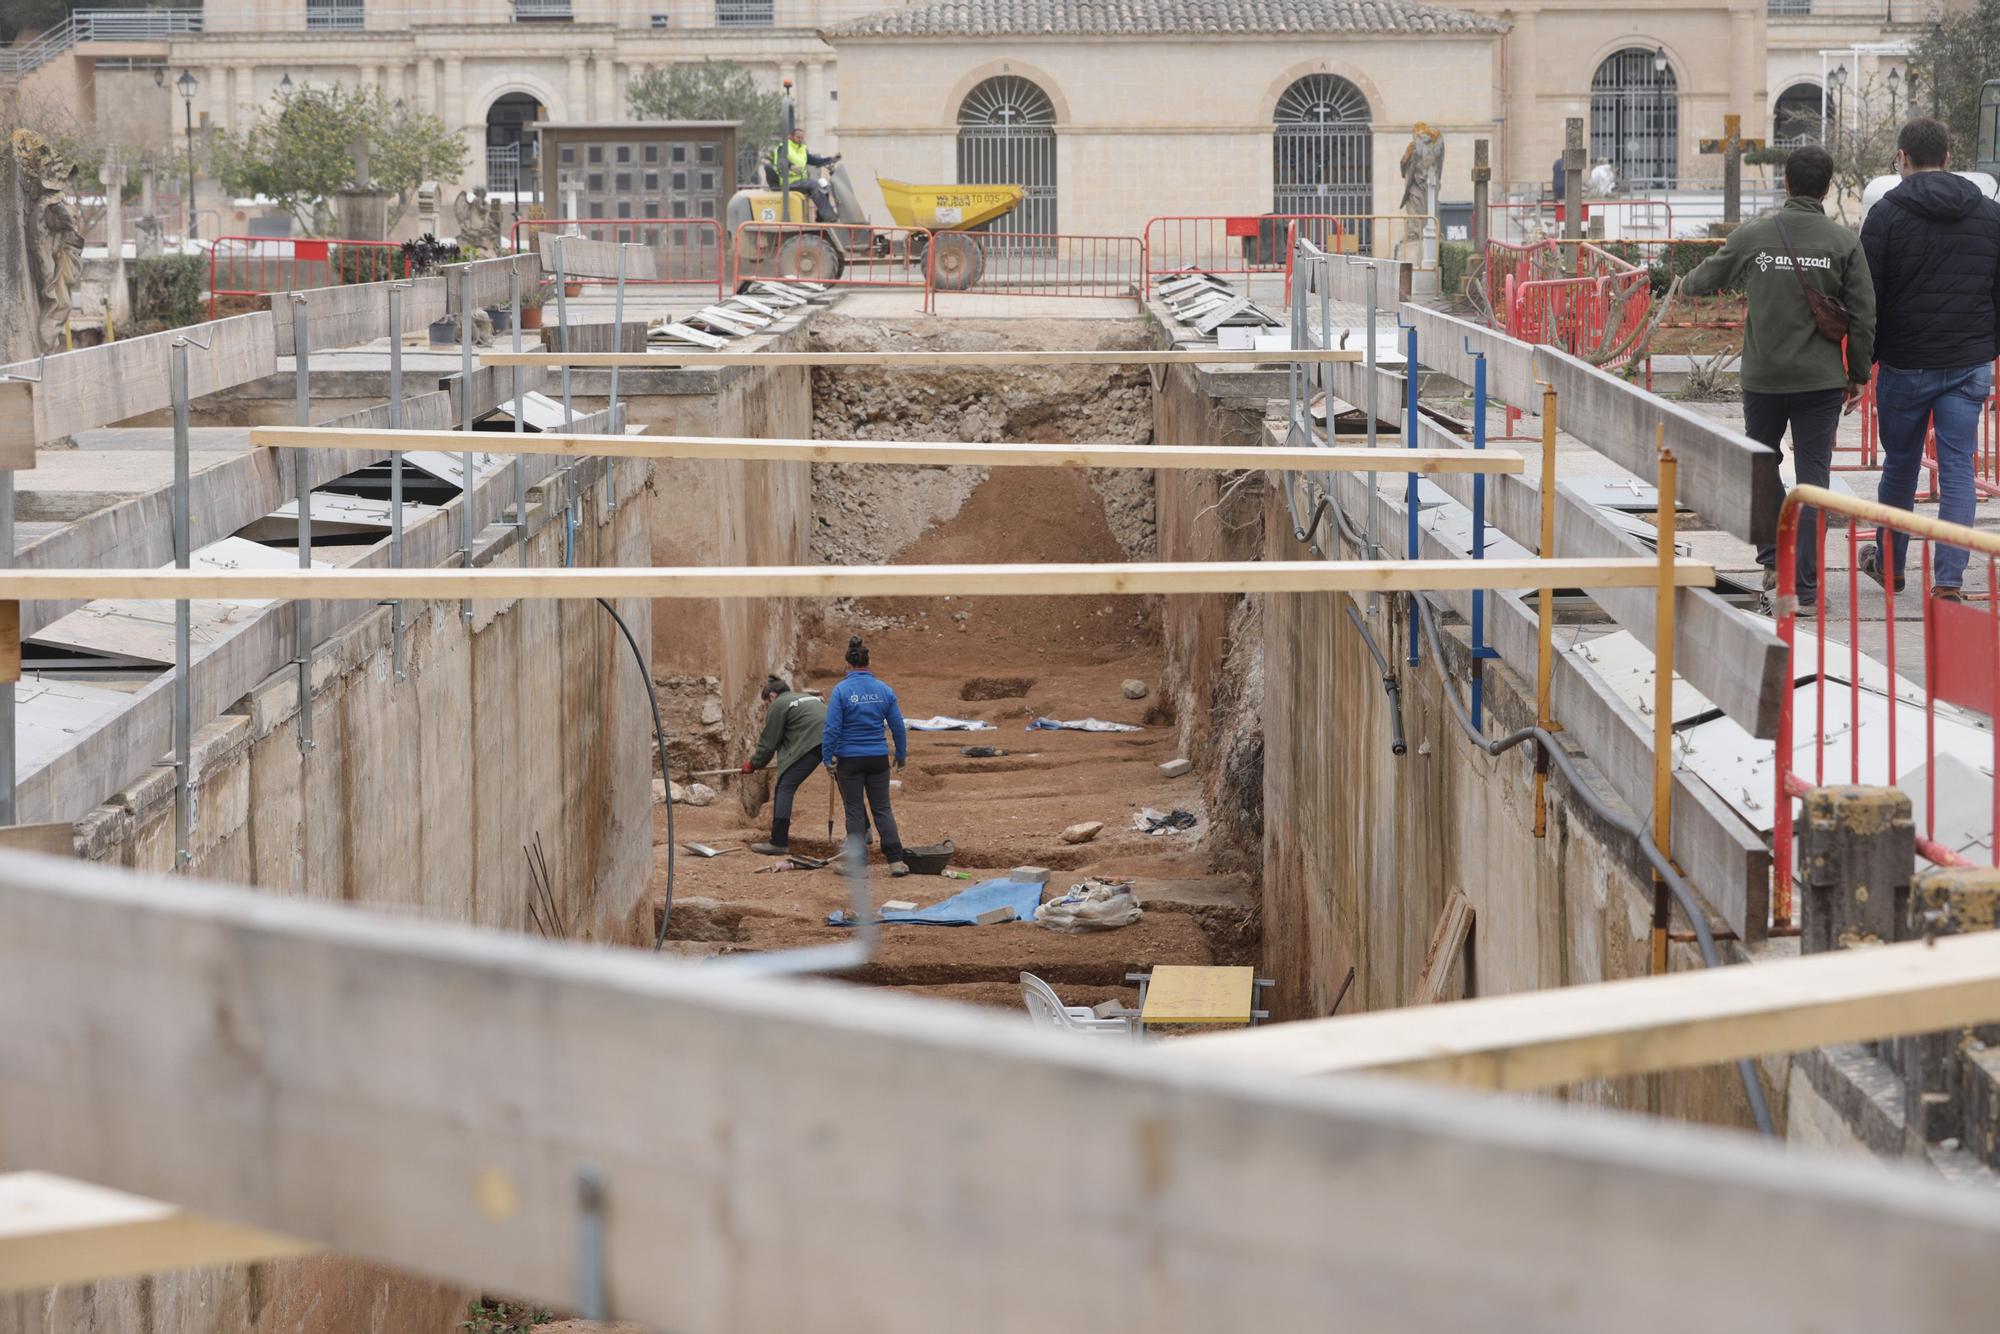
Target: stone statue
478, 220
1423, 170
53, 233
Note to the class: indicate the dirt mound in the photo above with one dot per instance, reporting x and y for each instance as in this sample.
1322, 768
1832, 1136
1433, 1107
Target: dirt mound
996, 687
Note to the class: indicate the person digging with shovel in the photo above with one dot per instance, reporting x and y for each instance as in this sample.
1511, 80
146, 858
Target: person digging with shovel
794, 728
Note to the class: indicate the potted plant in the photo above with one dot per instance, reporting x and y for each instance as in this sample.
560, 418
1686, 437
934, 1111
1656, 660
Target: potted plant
532, 300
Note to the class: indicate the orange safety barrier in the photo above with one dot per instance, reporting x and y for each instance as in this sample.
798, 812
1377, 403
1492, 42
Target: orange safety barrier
1037, 264
1850, 743
690, 249
1240, 244
263, 265
1597, 314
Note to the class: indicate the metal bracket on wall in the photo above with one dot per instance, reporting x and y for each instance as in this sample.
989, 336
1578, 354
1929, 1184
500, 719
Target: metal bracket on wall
183, 610
302, 484
465, 314
396, 613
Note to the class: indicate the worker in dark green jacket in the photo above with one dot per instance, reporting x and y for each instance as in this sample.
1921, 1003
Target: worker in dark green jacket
794, 726
1792, 374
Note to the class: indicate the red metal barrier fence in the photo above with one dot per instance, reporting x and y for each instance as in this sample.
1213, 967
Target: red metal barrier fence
1242, 244
837, 254
1597, 313
690, 249
262, 265
1935, 739
1037, 264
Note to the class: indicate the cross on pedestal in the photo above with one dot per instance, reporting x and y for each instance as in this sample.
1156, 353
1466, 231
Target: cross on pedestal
1731, 145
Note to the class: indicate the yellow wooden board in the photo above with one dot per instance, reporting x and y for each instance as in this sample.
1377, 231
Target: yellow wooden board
1186, 994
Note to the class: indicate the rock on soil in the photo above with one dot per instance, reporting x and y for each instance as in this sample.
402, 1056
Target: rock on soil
1082, 833
1134, 689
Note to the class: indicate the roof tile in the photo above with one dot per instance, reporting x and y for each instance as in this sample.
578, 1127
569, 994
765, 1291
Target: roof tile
956, 18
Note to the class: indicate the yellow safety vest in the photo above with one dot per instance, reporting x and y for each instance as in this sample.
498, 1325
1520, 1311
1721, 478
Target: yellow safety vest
790, 160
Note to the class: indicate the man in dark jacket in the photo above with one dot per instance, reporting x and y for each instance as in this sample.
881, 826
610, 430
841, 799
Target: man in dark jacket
794, 728
1933, 246
1793, 375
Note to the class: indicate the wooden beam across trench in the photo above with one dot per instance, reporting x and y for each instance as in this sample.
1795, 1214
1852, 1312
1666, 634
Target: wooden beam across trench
683, 358
916, 453
324, 1073
1640, 1026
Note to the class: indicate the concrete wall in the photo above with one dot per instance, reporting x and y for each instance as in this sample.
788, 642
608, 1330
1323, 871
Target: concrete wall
723, 513
417, 796
1359, 848
1147, 127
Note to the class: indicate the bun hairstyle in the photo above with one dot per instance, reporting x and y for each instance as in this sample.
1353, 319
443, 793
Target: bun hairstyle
857, 652
774, 686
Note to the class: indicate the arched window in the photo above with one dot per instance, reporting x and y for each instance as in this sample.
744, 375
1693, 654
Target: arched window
1796, 118
1007, 136
510, 150
1635, 119
1323, 148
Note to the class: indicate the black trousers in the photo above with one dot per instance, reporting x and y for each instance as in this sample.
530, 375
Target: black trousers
867, 776
788, 787
1814, 418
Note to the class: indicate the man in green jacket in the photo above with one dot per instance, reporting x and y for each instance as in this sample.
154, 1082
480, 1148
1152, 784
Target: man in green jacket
1793, 375
794, 725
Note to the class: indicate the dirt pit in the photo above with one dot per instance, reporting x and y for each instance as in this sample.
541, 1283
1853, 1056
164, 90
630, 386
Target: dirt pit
999, 661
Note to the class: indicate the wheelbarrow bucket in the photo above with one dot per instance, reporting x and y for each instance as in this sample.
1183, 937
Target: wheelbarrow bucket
948, 207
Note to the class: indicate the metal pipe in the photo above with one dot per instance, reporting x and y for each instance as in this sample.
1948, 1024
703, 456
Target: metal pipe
302, 483
1663, 692
520, 422
1390, 685
183, 620
562, 328
1410, 492
611, 403
1479, 649
1545, 621
465, 424
396, 472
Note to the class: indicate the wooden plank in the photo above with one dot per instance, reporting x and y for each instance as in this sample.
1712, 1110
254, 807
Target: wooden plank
596, 336
492, 284
689, 357
326, 1074
585, 258
1724, 475
1728, 863
1454, 928
10, 641
762, 581
1737, 661
105, 385
55, 1231
917, 453
1195, 994
355, 313
1638, 1026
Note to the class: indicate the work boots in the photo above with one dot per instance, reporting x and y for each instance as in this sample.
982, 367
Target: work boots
780, 844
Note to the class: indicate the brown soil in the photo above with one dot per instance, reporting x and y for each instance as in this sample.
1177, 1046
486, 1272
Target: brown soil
1059, 656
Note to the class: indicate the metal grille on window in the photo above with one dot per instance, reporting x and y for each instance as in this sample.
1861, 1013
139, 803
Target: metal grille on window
1323, 146
1796, 118
503, 169
1635, 119
744, 13
324, 15
1007, 136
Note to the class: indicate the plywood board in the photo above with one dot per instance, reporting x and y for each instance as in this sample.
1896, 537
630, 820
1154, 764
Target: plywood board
916, 453
325, 1073
585, 258
1638, 1026
102, 386
1454, 928
355, 313
1724, 475
492, 280
663, 356
762, 581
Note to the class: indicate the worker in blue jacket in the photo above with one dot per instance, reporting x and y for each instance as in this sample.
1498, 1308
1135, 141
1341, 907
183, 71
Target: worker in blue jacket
857, 752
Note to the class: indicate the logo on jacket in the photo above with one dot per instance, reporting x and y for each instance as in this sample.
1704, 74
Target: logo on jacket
1765, 259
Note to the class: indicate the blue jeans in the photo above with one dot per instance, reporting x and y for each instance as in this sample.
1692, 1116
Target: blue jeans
1911, 404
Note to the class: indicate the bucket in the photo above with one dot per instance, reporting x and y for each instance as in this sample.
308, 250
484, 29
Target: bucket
930, 860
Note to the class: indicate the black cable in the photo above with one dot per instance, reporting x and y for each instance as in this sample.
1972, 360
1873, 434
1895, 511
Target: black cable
1393, 687
1630, 826
660, 738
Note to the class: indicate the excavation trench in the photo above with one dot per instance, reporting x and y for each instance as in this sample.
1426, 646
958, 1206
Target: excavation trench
1001, 661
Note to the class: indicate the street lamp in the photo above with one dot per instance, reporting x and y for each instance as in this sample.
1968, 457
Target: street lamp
285, 87
1835, 82
186, 83
1895, 87
1659, 60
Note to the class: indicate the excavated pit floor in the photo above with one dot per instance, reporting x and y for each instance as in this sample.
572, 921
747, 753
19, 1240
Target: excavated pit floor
1000, 660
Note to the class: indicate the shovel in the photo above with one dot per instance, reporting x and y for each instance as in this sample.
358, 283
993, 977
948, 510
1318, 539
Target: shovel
703, 850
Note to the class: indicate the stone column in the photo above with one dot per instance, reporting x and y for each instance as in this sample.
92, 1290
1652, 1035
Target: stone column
112, 173
451, 107
1576, 163
427, 93
578, 90
1517, 142
1482, 187
1856, 848
392, 81
1951, 1080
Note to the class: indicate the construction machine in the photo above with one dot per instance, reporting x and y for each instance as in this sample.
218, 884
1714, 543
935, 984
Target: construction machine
777, 235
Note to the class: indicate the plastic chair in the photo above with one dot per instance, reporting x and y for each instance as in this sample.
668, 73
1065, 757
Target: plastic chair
1048, 1011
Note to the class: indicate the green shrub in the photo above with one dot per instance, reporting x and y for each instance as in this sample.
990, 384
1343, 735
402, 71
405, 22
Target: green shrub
167, 290
1454, 259
365, 264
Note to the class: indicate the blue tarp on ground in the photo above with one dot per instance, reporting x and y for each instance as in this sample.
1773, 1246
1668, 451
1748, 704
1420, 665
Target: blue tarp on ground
964, 907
